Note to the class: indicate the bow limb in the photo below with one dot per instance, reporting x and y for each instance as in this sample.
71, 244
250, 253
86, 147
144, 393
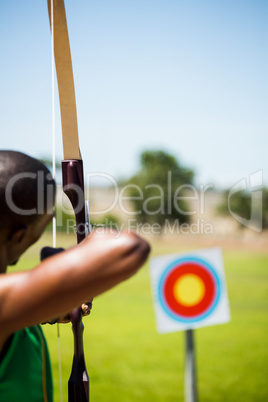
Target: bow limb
72, 177
65, 80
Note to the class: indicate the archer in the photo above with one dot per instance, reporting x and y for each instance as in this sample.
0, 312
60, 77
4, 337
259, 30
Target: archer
56, 286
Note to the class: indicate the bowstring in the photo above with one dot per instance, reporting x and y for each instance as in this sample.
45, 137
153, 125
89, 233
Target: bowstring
54, 222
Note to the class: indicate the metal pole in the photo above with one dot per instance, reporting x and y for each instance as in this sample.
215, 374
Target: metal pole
190, 388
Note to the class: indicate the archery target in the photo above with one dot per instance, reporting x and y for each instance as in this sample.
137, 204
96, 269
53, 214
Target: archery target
189, 290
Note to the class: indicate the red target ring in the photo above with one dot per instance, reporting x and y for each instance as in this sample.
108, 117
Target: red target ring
171, 298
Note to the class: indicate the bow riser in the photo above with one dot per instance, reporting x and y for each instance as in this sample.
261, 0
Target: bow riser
78, 385
73, 187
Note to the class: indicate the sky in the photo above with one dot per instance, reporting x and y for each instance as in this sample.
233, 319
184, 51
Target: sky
188, 77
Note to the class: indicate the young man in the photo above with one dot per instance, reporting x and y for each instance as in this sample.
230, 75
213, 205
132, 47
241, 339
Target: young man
56, 286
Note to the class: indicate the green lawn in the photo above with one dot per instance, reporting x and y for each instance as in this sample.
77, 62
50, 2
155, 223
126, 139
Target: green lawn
128, 360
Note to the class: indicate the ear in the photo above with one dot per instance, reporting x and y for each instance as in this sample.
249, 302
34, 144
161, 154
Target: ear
18, 235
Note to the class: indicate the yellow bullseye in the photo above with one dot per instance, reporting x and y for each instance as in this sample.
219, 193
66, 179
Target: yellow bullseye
189, 289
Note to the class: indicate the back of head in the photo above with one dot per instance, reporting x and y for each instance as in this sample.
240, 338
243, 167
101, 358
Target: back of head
27, 189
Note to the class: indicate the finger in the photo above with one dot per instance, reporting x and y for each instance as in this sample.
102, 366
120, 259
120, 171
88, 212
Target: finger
86, 307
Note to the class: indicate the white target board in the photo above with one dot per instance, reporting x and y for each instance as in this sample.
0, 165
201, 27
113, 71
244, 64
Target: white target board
189, 290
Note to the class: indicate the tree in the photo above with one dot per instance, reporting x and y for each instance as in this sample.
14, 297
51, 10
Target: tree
157, 190
240, 203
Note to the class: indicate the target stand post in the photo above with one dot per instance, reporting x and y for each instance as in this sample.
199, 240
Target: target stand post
190, 387
189, 292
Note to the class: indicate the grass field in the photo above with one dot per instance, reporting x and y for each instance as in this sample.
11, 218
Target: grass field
128, 360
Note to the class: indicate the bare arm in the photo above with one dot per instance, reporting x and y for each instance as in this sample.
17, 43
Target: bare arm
65, 281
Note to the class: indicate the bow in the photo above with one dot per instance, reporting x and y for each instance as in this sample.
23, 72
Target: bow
72, 178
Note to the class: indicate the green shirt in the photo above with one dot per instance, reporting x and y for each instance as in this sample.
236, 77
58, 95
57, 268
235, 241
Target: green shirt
25, 370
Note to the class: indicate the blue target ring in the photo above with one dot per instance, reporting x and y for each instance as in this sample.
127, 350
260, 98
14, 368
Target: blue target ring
212, 285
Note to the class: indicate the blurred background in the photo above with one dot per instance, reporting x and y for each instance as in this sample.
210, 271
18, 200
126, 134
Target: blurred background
186, 77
